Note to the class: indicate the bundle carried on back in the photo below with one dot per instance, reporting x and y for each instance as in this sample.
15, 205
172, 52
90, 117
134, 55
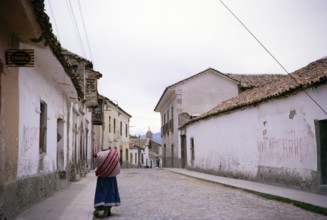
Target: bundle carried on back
107, 163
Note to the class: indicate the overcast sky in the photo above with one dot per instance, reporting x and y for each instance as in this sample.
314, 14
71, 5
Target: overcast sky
143, 46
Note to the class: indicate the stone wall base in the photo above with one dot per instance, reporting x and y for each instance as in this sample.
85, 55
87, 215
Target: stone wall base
25, 192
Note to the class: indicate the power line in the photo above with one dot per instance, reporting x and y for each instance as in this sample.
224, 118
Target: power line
272, 56
54, 20
72, 16
85, 31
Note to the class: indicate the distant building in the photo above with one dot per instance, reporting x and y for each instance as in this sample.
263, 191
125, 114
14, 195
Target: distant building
111, 126
146, 152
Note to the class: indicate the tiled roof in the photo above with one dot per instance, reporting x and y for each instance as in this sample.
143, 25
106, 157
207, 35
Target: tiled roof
191, 77
246, 81
98, 74
139, 142
312, 75
77, 57
58, 51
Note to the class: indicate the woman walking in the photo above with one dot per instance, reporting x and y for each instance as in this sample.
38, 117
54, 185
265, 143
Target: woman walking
106, 192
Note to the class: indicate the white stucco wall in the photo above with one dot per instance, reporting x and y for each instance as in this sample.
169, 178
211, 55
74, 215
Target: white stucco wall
223, 144
133, 156
277, 135
35, 86
194, 96
205, 92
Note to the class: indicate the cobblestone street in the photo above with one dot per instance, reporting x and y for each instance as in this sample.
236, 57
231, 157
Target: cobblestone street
161, 194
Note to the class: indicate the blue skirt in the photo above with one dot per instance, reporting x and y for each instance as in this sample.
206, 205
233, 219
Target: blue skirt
106, 192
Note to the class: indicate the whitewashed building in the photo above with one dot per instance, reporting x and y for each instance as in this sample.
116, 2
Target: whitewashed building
194, 96
140, 149
46, 123
274, 133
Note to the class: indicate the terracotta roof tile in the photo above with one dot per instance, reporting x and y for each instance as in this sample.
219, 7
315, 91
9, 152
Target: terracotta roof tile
246, 81
139, 142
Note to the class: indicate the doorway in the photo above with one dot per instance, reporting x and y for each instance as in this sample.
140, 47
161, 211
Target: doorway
183, 151
321, 135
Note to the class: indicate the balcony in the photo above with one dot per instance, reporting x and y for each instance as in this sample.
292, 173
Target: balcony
168, 127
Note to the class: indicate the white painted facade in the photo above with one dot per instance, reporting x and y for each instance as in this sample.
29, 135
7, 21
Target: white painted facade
36, 85
43, 83
274, 141
194, 96
133, 156
145, 158
116, 130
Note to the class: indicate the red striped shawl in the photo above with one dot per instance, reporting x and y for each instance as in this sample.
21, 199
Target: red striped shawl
107, 163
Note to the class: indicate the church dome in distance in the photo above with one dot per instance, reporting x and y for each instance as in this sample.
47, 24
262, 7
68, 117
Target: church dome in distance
149, 134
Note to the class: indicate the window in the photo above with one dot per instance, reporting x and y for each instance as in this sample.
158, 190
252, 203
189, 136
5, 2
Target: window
126, 154
165, 155
172, 112
121, 129
126, 131
109, 124
43, 128
114, 126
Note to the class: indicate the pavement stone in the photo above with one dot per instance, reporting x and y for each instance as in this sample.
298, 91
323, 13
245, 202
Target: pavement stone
166, 194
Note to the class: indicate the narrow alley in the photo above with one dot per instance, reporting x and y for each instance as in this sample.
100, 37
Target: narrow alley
162, 194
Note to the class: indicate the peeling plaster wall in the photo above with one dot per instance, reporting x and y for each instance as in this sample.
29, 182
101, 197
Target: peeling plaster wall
273, 142
36, 86
79, 143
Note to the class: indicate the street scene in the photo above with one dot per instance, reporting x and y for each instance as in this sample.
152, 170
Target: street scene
162, 194
163, 109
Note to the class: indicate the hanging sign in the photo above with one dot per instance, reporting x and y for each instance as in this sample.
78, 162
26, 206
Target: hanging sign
20, 58
91, 89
